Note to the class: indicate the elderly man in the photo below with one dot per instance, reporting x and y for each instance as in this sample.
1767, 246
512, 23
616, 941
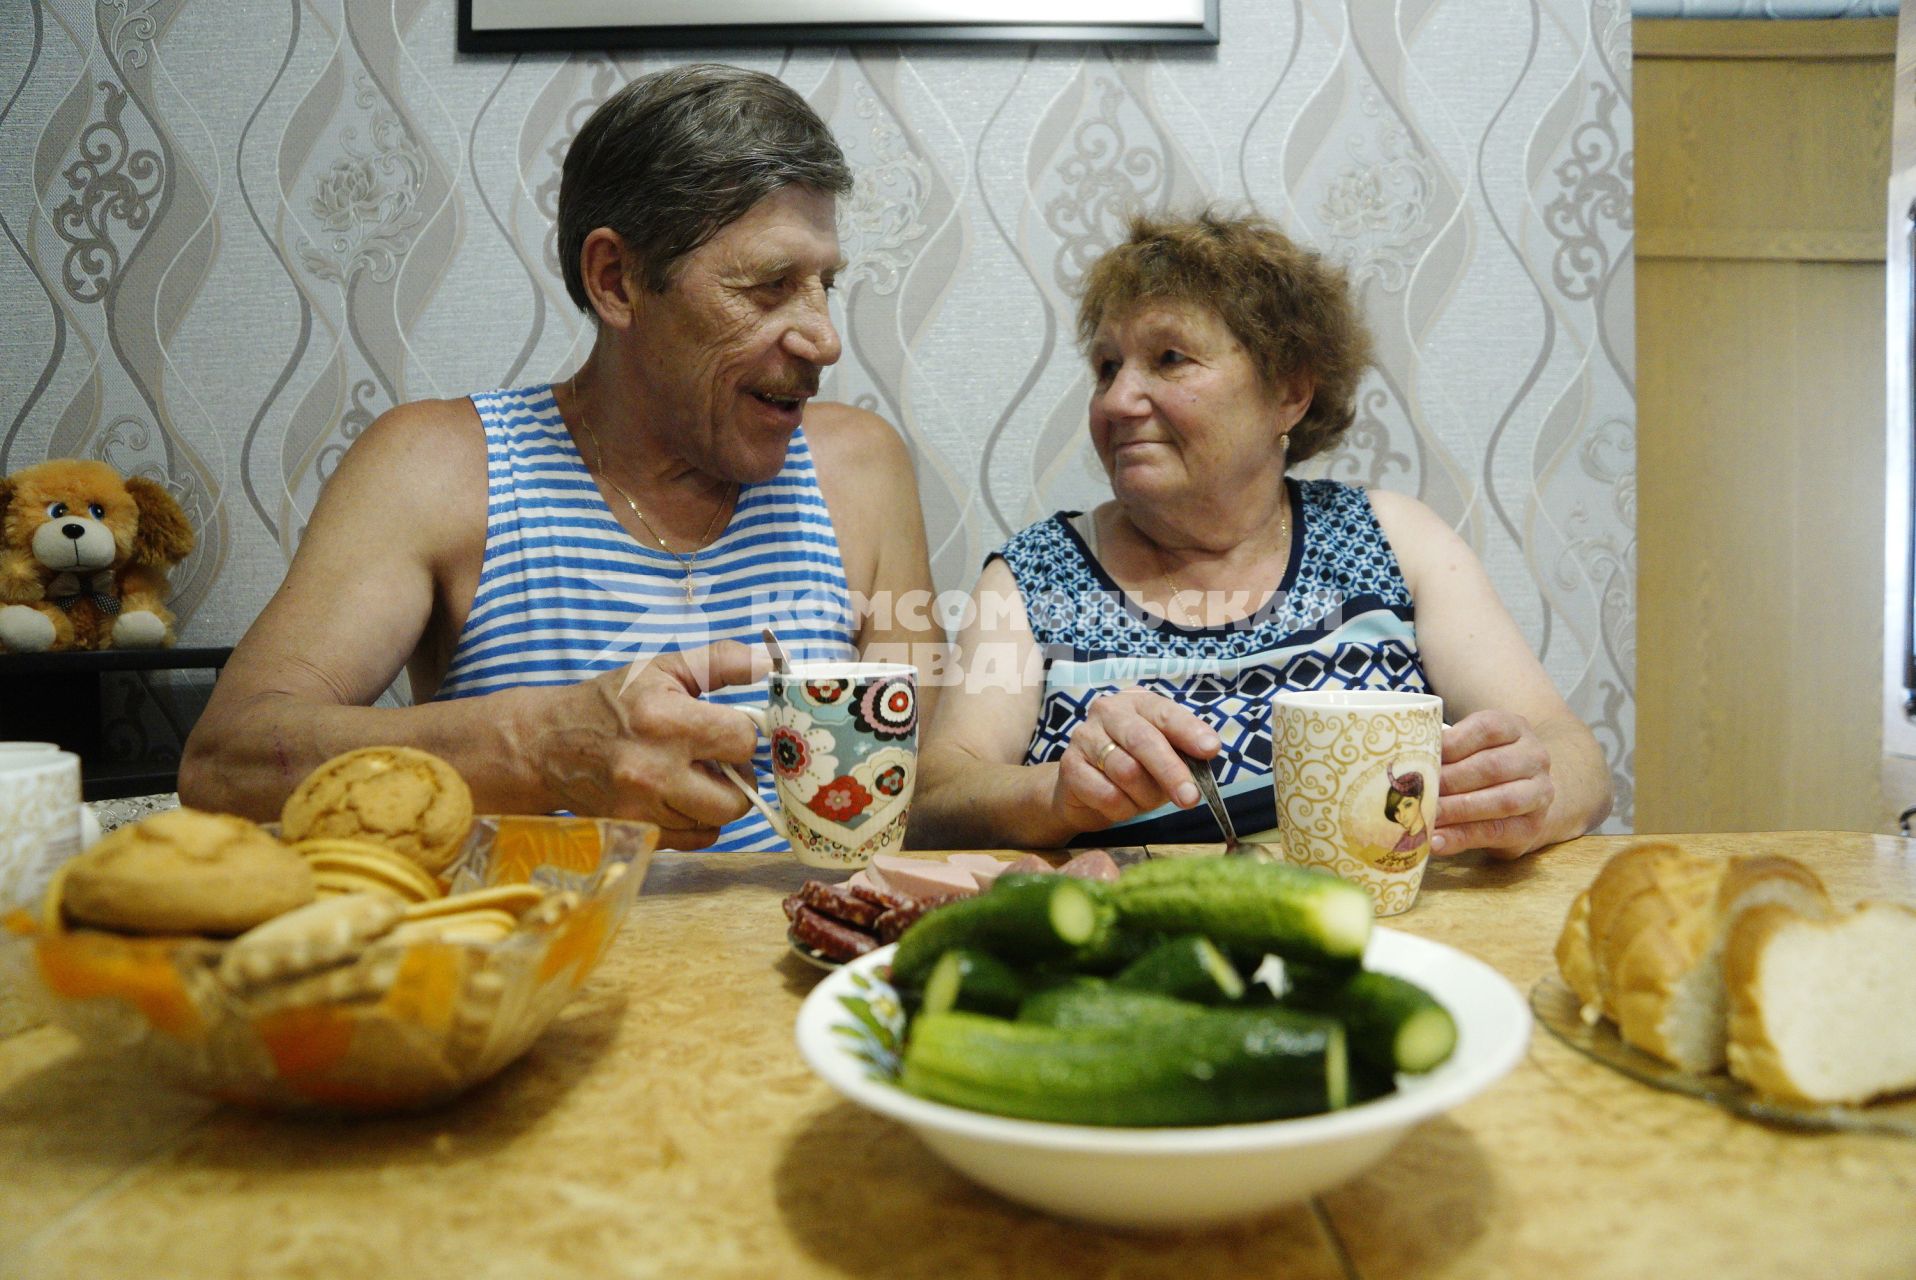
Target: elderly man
567, 572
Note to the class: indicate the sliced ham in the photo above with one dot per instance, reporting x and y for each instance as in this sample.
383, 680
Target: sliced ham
1030, 864
1092, 864
984, 868
918, 878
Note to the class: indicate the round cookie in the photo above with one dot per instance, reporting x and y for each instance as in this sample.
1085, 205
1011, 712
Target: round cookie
184, 871
513, 899
410, 801
317, 936
365, 865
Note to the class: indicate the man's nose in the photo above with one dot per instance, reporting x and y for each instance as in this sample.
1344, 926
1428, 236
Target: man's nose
74, 531
813, 337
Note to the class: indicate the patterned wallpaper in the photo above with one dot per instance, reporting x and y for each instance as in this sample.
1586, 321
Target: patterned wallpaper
235, 235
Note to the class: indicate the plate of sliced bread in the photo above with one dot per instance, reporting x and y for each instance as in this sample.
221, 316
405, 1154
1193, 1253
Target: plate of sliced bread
1740, 981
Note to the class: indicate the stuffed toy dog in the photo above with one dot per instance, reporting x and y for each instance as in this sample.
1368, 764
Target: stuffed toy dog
84, 554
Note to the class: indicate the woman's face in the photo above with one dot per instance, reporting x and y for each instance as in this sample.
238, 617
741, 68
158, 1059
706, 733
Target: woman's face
1178, 410
1404, 810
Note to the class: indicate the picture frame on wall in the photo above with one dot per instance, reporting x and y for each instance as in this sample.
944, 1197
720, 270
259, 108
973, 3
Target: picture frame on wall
520, 26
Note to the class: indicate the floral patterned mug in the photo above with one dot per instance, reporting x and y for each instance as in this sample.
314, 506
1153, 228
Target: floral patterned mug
844, 741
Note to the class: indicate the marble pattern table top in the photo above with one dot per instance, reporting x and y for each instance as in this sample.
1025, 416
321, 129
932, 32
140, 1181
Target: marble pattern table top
666, 1126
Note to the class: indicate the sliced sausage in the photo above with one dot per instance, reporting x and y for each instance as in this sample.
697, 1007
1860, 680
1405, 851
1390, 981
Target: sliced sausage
830, 938
834, 901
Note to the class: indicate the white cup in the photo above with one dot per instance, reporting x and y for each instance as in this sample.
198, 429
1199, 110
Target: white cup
40, 827
14, 754
1356, 774
40, 821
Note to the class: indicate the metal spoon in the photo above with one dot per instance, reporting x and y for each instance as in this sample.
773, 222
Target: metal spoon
780, 663
1207, 787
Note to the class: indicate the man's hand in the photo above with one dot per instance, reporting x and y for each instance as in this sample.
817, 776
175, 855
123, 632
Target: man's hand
633, 743
1123, 760
1495, 791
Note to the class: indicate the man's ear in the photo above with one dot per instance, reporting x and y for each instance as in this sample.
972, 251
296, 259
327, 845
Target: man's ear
612, 275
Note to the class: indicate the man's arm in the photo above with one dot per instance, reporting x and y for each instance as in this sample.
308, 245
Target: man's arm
865, 473
406, 505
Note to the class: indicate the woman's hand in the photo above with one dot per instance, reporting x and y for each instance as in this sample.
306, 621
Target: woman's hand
1123, 760
1495, 791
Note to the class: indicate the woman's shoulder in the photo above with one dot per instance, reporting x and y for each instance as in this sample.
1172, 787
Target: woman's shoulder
1400, 513
1341, 500
1422, 540
1052, 532
1044, 551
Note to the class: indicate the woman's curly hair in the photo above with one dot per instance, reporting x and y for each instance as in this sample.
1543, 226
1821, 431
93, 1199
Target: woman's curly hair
1290, 308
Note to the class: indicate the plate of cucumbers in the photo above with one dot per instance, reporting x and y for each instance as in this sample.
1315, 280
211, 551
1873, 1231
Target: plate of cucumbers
1204, 1040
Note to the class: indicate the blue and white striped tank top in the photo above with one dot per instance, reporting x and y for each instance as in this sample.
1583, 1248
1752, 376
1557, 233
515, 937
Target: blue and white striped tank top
1341, 618
565, 593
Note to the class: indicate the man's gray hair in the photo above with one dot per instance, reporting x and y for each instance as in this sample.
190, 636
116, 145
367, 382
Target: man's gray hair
674, 156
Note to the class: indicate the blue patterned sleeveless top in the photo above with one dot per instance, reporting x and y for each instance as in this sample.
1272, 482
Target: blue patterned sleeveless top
1341, 618
565, 593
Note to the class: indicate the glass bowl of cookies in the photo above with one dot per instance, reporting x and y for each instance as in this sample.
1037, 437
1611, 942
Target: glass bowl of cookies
381, 948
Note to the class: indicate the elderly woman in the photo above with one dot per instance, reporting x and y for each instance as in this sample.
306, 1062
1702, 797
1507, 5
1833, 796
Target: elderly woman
1103, 643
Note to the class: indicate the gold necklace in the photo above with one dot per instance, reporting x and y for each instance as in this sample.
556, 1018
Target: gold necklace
1174, 596
687, 562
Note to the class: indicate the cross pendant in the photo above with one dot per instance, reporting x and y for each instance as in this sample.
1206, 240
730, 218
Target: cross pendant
689, 588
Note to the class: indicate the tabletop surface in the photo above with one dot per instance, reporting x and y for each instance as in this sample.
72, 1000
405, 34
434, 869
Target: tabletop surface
666, 1126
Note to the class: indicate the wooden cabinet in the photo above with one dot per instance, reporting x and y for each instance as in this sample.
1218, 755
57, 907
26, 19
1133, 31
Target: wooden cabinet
1762, 156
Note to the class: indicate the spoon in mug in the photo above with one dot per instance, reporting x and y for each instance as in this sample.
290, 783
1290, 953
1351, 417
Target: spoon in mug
780, 663
1207, 787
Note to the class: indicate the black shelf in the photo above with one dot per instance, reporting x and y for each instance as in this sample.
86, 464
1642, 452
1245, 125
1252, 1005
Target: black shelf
95, 660
56, 697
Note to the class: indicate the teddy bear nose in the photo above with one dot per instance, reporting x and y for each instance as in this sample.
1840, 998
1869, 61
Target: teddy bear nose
74, 531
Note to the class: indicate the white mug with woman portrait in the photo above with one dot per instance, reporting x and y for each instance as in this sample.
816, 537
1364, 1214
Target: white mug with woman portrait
1356, 776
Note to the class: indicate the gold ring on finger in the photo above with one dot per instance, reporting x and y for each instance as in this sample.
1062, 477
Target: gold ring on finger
1107, 749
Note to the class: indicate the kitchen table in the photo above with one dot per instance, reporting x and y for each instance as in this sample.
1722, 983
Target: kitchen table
666, 1126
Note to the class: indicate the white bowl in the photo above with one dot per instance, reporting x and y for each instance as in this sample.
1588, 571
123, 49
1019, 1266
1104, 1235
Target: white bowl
848, 1030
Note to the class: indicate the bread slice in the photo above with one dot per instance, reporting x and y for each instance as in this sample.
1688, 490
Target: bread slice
1576, 964
1647, 887
1823, 1010
1666, 969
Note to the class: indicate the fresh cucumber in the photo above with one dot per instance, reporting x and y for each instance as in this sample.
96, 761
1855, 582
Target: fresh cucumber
1021, 918
1292, 976
1219, 1067
1369, 1083
1394, 1024
1189, 968
1093, 1002
1111, 950
1244, 905
973, 981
